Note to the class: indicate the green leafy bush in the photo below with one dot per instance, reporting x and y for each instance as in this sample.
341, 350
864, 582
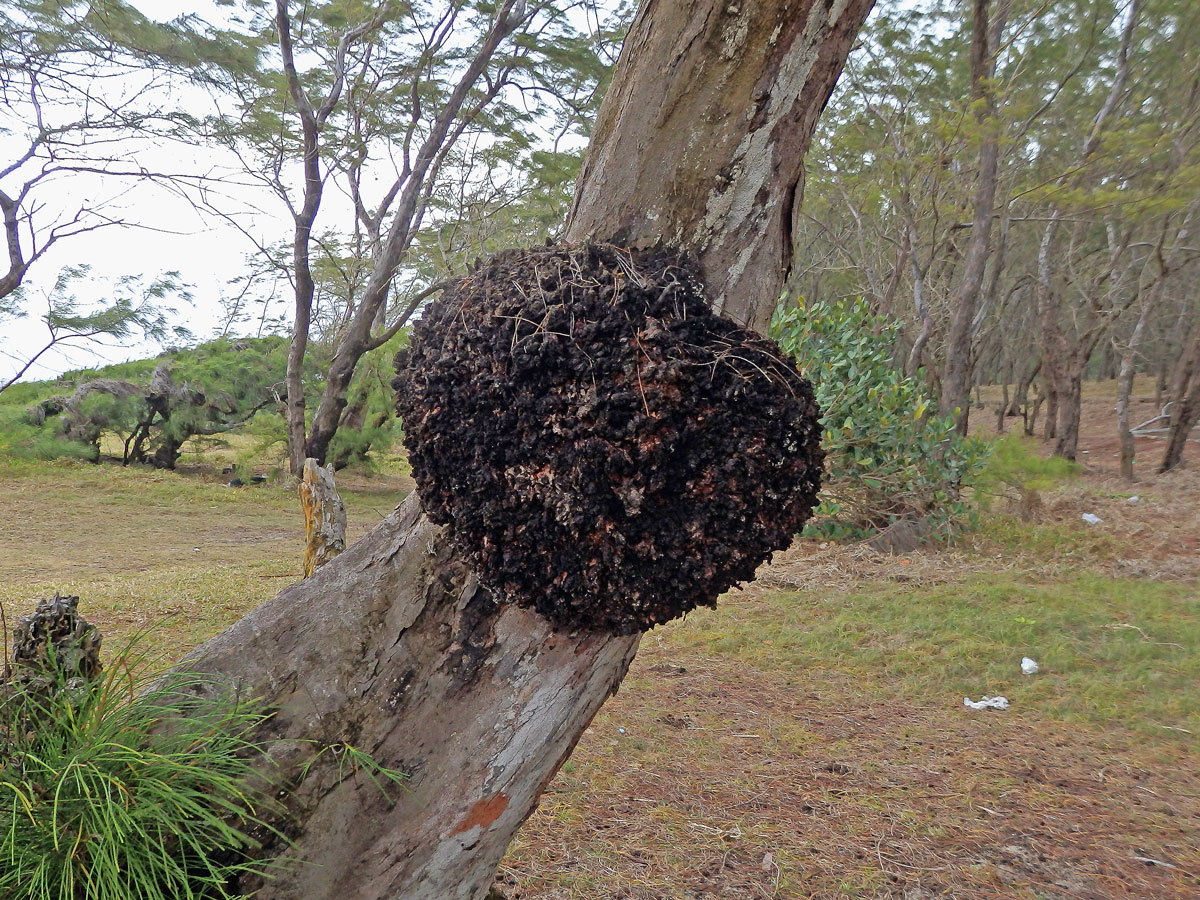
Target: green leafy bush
100, 801
888, 456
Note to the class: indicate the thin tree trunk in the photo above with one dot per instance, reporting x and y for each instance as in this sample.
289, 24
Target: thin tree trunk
1052, 341
1185, 404
304, 287
357, 339
1002, 406
1070, 407
1050, 392
956, 378
393, 646
1186, 364
1181, 428
1021, 394
913, 364
1125, 390
1150, 296
1031, 414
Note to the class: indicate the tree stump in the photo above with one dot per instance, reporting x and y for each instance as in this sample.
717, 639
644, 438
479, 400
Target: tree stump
324, 517
54, 649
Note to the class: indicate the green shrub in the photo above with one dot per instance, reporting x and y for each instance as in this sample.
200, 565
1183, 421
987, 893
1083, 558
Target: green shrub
889, 456
1016, 472
21, 439
99, 801
368, 423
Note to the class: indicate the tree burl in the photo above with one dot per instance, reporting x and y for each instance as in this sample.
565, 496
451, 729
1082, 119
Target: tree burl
601, 446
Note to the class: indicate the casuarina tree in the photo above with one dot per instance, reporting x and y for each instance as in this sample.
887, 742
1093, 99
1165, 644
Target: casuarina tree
473, 653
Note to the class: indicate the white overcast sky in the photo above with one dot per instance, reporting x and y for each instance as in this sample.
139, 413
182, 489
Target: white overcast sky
173, 237
206, 251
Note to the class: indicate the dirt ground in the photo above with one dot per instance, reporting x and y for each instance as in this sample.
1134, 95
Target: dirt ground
817, 791
707, 777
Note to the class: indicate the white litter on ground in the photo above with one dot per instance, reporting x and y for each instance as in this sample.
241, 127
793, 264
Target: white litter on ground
1091, 518
986, 703
1028, 666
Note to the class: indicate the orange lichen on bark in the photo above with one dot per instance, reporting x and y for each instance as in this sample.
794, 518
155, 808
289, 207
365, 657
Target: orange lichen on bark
483, 813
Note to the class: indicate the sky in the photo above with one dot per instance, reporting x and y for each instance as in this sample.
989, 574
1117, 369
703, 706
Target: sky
170, 235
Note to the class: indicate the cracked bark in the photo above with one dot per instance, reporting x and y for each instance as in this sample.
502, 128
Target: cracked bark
394, 647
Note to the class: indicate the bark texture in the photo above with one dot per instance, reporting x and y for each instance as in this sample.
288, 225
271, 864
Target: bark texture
394, 647
701, 139
324, 517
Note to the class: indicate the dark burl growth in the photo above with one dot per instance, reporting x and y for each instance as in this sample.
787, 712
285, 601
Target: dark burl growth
602, 447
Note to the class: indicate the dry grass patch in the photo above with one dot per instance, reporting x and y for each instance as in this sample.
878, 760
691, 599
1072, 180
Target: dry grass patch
807, 739
181, 555
710, 777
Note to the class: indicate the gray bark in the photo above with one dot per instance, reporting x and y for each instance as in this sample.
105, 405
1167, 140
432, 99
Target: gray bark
956, 376
702, 136
393, 646
1185, 400
1125, 390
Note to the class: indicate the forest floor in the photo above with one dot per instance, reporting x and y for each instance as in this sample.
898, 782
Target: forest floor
807, 738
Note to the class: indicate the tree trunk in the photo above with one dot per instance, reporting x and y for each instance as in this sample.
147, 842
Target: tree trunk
1070, 407
1125, 391
394, 647
1020, 398
1031, 413
1185, 403
1053, 346
1050, 392
1181, 428
1002, 406
701, 139
356, 339
304, 217
956, 378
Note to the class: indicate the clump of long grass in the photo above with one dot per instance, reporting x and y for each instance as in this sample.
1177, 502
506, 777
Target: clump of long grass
125, 789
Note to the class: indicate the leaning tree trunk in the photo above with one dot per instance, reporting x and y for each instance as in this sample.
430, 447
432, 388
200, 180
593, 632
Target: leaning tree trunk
1185, 399
394, 646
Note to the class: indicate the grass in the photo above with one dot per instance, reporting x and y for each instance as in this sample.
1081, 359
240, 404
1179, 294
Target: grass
1115, 654
184, 555
103, 804
807, 738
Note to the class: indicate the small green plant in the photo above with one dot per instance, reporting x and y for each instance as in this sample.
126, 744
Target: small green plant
1017, 473
351, 760
100, 800
888, 455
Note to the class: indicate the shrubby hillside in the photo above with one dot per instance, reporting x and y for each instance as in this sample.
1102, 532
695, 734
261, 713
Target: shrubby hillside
145, 411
